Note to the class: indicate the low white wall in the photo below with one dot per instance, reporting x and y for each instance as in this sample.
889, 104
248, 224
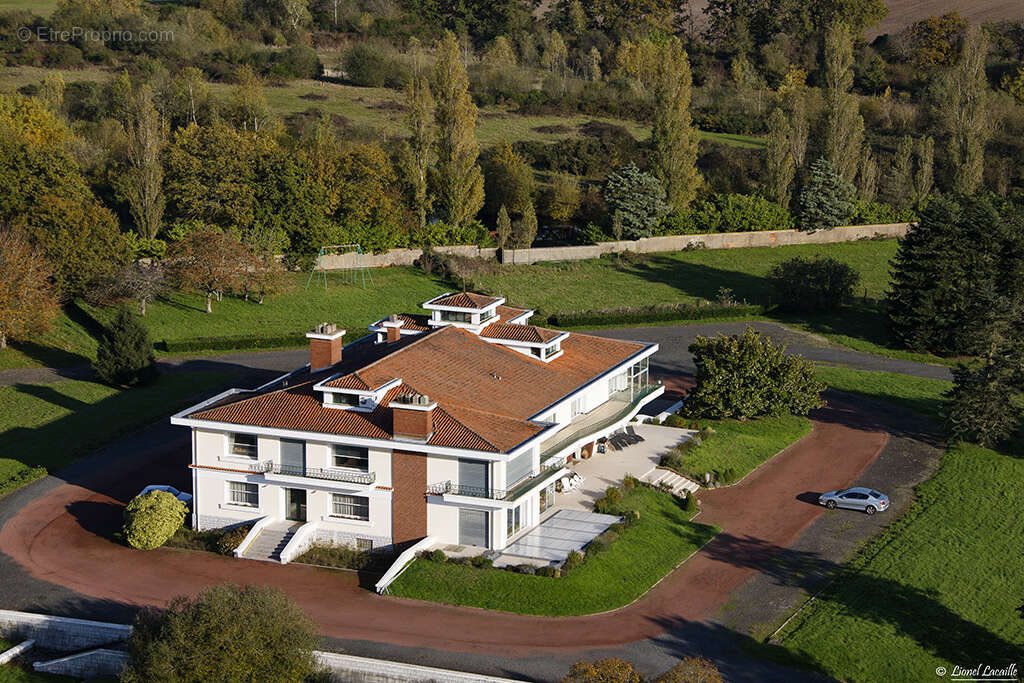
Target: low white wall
61, 633
362, 670
86, 665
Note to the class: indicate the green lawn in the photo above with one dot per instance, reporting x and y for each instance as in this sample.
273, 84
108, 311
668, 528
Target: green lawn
742, 446
68, 343
49, 425
942, 586
644, 553
919, 394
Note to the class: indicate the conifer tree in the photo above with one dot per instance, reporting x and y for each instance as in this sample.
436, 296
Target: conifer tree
458, 182
125, 354
899, 180
827, 199
526, 228
844, 126
504, 227
674, 138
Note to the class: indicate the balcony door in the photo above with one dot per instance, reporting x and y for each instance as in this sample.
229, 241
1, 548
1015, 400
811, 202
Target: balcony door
293, 457
295, 504
473, 480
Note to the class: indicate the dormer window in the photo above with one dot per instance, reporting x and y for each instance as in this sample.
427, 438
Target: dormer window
487, 315
456, 317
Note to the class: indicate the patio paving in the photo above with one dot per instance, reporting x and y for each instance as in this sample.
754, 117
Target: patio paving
562, 532
608, 469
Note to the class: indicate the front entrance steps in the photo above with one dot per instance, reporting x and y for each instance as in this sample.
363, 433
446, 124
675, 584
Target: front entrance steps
680, 486
271, 541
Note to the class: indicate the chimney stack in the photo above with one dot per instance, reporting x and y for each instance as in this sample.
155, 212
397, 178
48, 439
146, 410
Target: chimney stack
394, 327
325, 344
413, 417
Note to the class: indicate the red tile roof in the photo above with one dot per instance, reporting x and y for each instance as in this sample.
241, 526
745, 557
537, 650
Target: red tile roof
485, 392
509, 312
524, 333
465, 300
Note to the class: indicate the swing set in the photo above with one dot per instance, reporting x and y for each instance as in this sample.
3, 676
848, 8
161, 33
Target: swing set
359, 273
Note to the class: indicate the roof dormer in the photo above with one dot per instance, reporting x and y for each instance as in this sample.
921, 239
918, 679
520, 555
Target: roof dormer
352, 392
463, 309
539, 342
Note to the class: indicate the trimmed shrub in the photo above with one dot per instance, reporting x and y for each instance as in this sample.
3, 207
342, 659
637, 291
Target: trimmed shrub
549, 572
232, 538
151, 519
574, 560
805, 284
436, 556
527, 569
336, 555
481, 562
631, 516
125, 354
730, 213
647, 314
675, 421
690, 503
230, 343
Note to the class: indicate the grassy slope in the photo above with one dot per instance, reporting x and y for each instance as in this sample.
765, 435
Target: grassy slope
743, 446
942, 586
919, 394
644, 553
49, 425
68, 343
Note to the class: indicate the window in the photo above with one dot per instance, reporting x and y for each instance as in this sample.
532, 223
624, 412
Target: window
487, 315
513, 520
352, 458
244, 445
364, 544
552, 350
350, 507
576, 407
547, 497
241, 493
456, 317
345, 399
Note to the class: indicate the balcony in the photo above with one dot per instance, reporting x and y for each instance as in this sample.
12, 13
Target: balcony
348, 477
524, 485
613, 410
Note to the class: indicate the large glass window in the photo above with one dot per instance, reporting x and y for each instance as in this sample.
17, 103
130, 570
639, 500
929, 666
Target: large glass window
350, 507
456, 317
513, 520
487, 315
547, 497
244, 445
345, 399
352, 458
241, 493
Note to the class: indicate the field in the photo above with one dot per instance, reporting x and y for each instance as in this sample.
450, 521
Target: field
644, 553
49, 425
920, 394
742, 446
940, 587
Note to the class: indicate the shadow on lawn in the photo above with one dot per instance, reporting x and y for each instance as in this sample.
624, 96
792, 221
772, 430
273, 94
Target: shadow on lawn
916, 613
45, 392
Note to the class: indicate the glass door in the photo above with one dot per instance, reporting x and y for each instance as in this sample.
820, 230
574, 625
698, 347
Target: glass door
295, 502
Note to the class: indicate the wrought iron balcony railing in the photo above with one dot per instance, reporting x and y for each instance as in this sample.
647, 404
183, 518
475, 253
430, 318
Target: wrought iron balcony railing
350, 477
517, 490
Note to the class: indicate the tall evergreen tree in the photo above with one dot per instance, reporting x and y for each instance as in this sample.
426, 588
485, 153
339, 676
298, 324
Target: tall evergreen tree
125, 354
962, 109
844, 126
674, 138
526, 228
780, 167
826, 200
458, 182
504, 227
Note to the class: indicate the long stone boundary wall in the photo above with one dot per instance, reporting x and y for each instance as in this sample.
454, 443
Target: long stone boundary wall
61, 633
647, 245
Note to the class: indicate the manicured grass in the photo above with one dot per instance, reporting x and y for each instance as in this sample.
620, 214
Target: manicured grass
644, 553
182, 316
49, 425
742, 446
68, 343
920, 394
942, 586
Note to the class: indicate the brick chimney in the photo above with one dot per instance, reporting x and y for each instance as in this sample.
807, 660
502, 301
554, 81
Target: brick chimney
394, 328
325, 342
413, 417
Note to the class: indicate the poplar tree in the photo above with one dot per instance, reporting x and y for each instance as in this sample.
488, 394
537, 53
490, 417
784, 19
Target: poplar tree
800, 126
674, 138
458, 182
142, 184
899, 179
780, 167
526, 228
844, 126
420, 106
962, 109
504, 227
924, 172
867, 175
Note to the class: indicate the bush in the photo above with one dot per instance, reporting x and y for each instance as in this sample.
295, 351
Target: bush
548, 572
151, 519
436, 556
369, 66
572, 561
231, 343
675, 421
608, 504
730, 213
648, 314
335, 555
630, 482
481, 562
527, 569
746, 376
125, 354
231, 538
690, 503
806, 284
631, 516
226, 633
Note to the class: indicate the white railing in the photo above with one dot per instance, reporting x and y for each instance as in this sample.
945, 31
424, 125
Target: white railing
251, 536
402, 562
300, 542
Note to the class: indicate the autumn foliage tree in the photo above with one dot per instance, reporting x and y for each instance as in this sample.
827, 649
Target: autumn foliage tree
27, 302
209, 262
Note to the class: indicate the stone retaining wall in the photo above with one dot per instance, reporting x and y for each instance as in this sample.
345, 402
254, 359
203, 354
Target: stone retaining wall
61, 633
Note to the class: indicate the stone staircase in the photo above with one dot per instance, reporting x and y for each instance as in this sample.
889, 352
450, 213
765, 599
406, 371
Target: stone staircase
680, 486
271, 541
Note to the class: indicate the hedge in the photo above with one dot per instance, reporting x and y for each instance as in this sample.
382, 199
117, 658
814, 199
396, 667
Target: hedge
648, 314
231, 343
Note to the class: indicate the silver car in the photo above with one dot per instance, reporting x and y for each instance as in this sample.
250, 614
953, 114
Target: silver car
857, 498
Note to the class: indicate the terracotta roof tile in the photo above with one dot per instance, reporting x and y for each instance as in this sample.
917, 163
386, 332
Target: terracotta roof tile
524, 333
465, 300
509, 312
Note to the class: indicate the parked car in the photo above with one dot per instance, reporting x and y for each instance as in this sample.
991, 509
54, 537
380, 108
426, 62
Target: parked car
857, 498
185, 498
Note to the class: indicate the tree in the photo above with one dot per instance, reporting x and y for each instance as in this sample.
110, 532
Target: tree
152, 518
248, 105
226, 633
458, 182
209, 262
576, 18
608, 670
746, 376
867, 175
125, 354
984, 406
639, 197
1014, 85
933, 41
27, 302
691, 670
805, 284
526, 228
297, 13
826, 200
592, 65
924, 173
142, 183
674, 138
420, 118
508, 180
504, 227
960, 97
191, 96
500, 54
563, 198
844, 126
780, 166
899, 182
555, 56
52, 92
140, 281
